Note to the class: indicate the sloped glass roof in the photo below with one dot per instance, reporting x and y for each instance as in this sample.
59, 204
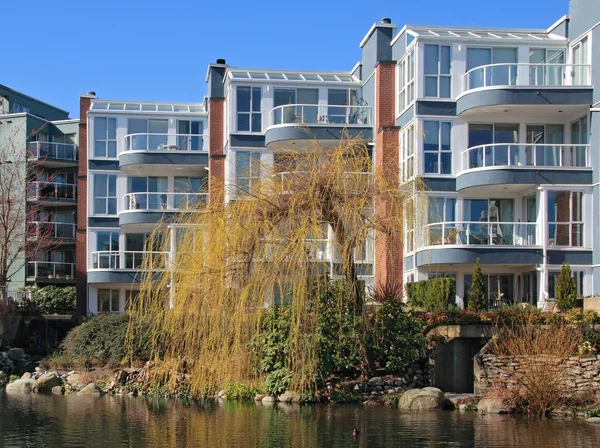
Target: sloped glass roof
507, 34
147, 107
291, 76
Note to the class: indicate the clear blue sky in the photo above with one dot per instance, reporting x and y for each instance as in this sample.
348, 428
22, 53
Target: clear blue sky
159, 50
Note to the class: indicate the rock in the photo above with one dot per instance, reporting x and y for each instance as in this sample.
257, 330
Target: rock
57, 390
593, 420
268, 399
92, 390
15, 354
455, 397
221, 394
120, 377
26, 376
491, 406
376, 381
23, 386
289, 396
72, 372
3, 379
74, 379
46, 382
259, 397
422, 399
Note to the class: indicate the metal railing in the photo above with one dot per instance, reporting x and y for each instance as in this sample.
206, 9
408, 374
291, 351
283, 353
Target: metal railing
467, 233
130, 260
50, 270
166, 142
52, 230
51, 191
332, 115
165, 201
52, 151
520, 74
519, 154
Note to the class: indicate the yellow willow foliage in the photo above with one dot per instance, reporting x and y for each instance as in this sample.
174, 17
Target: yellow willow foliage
205, 309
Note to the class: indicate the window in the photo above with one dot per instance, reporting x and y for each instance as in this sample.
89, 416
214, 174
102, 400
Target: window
546, 67
19, 108
187, 189
107, 247
108, 300
436, 147
577, 155
549, 154
105, 137
189, 136
248, 109
580, 58
295, 106
407, 153
437, 71
342, 99
105, 194
492, 145
147, 135
482, 74
498, 287
553, 282
247, 170
150, 193
406, 81
441, 221
138, 247
565, 219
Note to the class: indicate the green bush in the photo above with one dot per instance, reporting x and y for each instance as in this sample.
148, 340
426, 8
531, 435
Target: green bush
53, 300
101, 340
566, 291
241, 391
438, 294
278, 381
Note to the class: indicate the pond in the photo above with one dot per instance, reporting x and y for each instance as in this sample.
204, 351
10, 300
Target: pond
32, 420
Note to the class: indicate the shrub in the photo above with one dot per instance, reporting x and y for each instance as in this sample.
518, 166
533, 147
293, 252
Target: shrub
438, 294
53, 300
278, 381
566, 291
477, 295
241, 391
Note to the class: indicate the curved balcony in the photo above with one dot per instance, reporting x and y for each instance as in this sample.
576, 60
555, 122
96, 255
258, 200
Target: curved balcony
462, 242
56, 231
52, 193
150, 208
50, 272
125, 266
518, 163
143, 152
493, 87
53, 155
300, 124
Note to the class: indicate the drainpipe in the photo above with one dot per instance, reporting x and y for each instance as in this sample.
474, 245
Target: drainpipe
544, 233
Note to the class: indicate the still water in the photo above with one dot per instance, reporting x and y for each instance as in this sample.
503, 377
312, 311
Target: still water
69, 421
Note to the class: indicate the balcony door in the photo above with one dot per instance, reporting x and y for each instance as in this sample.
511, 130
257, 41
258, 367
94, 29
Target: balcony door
189, 135
580, 58
492, 215
499, 75
546, 138
301, 106
151, 193
546, 67
147, 134
503, 138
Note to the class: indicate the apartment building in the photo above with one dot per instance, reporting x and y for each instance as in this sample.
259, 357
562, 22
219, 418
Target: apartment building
498, 124
40, 141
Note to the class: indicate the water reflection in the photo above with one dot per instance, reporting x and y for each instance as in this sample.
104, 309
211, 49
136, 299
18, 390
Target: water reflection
44, 420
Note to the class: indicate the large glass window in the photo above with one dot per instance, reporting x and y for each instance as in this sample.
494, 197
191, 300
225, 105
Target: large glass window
298, 106
187, 189
189, 135
577, 155
437, 156
565, 219
105, 137
437, 71
553, 282
505, 73
151, 193
492, 145
108, 300
148, 134
499, 288
107, 244
247, 170
105, 194
546, 67
441, 210
548, 149
407, 153
580, 58
406, 81
248, 109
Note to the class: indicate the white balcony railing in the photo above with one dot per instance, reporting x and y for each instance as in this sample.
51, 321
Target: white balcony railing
50, 270
173, 202
514, 74
534, 155
54, 230
130, 260
475, 233
51, 151
331, 115
51, 191
166, 142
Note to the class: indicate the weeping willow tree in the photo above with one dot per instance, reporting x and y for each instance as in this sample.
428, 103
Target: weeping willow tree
289, 227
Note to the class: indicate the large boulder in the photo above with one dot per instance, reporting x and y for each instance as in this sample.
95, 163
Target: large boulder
46, 382
91, 390
74, 379
422, 399
15, 354
289, 396
22, 386
491, 406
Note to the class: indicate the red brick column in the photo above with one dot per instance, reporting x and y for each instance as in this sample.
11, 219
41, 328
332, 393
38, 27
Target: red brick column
216, 163
82, 189
388, 246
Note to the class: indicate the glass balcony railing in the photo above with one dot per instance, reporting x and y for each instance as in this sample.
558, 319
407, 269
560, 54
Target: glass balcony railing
49, 151
50, 270
130, 260
542, 75
527, 155
165, 201
61, 231
331, 115
476, 233
51, 191
166, 142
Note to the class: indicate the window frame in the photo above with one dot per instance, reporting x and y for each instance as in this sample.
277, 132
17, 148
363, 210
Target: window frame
439, 75
571, 223
253, 177
106, 198
251, 112
406, 80
106, 138
407, 153
439, 150
111, 298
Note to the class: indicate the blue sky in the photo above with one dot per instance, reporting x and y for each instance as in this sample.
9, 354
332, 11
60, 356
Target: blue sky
159, 51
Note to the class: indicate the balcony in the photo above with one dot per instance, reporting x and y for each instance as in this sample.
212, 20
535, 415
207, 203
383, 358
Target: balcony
50, 272
461, 242
56, 231
300, 124
125, 266
51, 154
494, 87
150, 208
145, 151
520, 164
51, 193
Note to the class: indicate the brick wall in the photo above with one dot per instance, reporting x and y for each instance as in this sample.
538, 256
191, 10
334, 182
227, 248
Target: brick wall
216, 164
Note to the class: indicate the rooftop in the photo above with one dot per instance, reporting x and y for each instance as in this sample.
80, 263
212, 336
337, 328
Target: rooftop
291, 75
140, 106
